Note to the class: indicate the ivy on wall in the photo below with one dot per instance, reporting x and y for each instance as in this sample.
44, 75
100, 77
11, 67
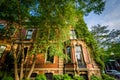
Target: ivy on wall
84, 34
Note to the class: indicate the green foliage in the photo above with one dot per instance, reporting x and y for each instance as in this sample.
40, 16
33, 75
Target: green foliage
93, 77
107, 77
66, 77
78, 78
1, 75
40, 77
13, 9
51, 19
57, 77
97, 6
5, 76
8, 78
56, 20
108, 41
84, 34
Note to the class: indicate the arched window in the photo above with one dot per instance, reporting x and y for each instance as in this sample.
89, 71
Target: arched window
78, 52
79, 56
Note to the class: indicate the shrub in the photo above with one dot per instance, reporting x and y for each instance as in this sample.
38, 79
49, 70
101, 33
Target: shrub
78, 78
66, 77
8, 78
40, 77
93, 77
57, 77
107, 77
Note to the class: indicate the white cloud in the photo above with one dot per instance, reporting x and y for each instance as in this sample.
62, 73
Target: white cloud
110, 16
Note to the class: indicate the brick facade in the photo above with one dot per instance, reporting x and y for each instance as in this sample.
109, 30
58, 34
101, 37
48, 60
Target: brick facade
85, 66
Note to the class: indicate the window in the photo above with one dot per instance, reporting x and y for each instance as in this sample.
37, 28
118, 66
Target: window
33, 75
49, 76
2, 29
2, 49
78, 52
25, 52
2, 26
72, 34
6, 31
79, 56
29, 34
50, 58
68, 50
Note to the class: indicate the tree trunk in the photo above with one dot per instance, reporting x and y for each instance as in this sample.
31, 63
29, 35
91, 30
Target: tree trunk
15, 68
32, 67
22, 65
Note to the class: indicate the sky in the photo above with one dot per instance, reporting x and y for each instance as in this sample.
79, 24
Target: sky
110, 16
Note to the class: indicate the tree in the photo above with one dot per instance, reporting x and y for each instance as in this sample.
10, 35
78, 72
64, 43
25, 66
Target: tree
107, 39
51, 18
100, 34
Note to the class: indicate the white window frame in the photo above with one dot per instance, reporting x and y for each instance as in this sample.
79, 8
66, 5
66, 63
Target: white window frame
2, 49
78, 52
72, 34
29, 34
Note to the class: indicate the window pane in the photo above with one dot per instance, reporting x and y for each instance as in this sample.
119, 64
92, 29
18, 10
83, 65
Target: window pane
2, 48
78, 52
29, 37
50, 58
29, 34
72, 34
25, 52
68, 51
1, 26
2, 31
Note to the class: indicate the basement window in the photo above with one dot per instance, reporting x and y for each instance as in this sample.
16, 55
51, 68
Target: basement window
2, 49
49, 76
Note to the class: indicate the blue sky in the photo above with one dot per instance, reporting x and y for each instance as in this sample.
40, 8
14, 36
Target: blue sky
110, 16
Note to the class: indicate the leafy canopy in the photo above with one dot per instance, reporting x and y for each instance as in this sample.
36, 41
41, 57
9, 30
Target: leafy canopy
108, 40
51, 18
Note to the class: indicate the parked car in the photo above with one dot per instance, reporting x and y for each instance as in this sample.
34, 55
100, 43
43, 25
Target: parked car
113, 73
